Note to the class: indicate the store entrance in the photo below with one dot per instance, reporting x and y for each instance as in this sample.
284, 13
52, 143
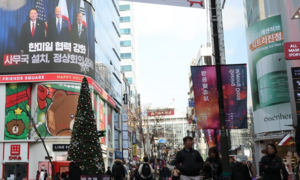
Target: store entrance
15, 171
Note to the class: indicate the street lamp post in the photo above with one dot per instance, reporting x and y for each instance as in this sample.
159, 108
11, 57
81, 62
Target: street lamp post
224, 137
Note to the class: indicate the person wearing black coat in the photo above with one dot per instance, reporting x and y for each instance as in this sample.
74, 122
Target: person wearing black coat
58, 28
32, 31
239, 170
137, 175
188, 160
75, 171
231, 163
118, 170
247, 171
79, 32
164, 172
213, 167
271, 164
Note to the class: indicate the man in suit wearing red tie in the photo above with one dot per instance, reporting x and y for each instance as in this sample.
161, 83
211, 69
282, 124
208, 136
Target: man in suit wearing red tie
58, 28
79, 32
32, 31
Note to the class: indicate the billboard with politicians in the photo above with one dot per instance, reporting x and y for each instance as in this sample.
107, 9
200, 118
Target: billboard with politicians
234, 79
47, 36
268, 74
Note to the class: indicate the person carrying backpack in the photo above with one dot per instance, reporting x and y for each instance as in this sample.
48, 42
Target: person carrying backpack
118, 170
145, 170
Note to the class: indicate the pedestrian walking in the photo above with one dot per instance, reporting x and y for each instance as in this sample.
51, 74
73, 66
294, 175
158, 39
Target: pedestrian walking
212, 168
189, 161
165, 172
118, 170
43, 174
57, 176
231, 163
271, 164
145, 170
63, 176
137, 176
175, 174
252, 169
37, 175
247, 170
108, 172
239, 170
75, 171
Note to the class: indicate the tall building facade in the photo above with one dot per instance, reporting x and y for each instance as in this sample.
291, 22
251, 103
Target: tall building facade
129, 48
268, 26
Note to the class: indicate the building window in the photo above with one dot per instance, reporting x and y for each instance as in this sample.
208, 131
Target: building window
126, 68
125, 55
124, 19
124, 7
125, 31
130, 81
125, 43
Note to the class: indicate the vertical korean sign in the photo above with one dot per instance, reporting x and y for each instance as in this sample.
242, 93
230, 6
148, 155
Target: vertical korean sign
206, 96
234, 80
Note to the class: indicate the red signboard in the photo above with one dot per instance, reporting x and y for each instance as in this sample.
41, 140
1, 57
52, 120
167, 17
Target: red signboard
15, 149
292, 50
161, 112
46, 77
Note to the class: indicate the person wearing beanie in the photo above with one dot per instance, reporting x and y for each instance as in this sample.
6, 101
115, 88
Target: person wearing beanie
271, 164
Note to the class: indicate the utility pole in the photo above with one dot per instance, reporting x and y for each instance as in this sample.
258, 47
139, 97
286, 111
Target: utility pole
224, 137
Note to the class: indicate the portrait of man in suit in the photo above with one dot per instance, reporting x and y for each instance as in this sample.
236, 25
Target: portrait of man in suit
31, 31
58, 28
79, 31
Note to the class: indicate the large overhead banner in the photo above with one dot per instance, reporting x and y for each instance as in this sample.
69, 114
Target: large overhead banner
268, 74
206, 97
234, 79
47, 36
182, 3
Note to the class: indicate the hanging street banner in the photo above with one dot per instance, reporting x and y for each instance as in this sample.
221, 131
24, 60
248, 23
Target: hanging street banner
210, 137
234, 80
182, 3
206, 97
48, 36
161, 112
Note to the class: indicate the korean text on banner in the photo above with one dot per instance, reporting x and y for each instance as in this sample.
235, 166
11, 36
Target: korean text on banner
234, 81
206, 97
210, 136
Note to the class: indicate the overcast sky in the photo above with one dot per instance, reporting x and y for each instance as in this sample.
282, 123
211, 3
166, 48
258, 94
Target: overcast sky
168, 38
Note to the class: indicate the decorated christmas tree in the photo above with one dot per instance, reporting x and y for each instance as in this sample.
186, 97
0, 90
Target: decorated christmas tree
85, 148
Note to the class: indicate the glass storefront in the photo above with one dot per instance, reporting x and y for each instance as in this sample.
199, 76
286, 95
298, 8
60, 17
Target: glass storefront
15, 171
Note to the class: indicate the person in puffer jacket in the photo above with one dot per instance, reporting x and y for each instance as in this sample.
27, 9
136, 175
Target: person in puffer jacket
271, 164
213, 167
189, 161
